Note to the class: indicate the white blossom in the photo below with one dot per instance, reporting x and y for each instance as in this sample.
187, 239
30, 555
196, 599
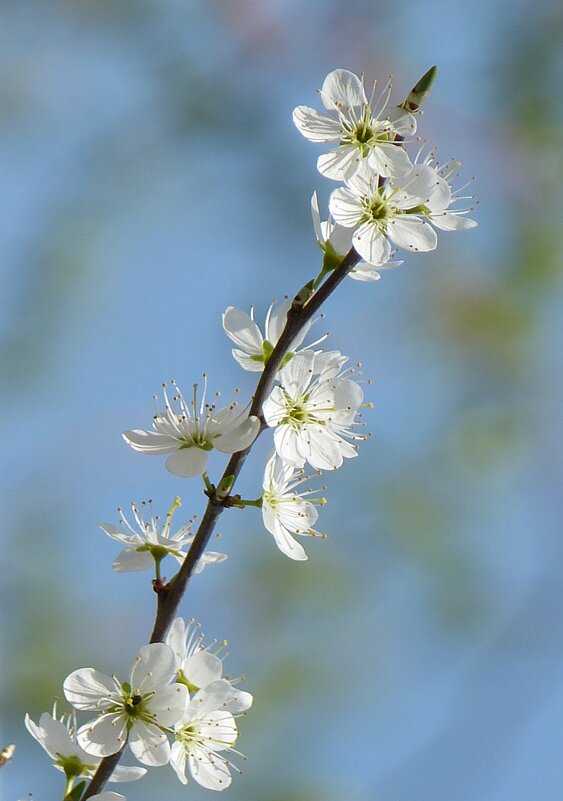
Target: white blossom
132, 711
188, 431
149, 543
206, 733
400, 211
363, 134
198, 666
286, 512
314, 415
335, 241
254, 348
57, 736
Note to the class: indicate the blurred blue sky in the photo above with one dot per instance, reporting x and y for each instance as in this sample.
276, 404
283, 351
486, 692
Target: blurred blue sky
153, 177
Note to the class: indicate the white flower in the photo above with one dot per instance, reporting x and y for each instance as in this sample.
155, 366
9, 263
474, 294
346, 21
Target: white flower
362, 134
254, 348
395, 211
58, 738
132, 711
284, 511
335, 241
198, 666
108, 796
149, 543
314, 415
188, 433
207, 730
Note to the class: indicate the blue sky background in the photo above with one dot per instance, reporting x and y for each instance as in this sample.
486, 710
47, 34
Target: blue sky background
152, 176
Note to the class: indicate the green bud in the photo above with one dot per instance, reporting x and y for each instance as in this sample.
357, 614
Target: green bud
303, 295
225, 487
420, 91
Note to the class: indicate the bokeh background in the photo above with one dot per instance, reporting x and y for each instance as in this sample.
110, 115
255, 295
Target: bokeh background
151, 176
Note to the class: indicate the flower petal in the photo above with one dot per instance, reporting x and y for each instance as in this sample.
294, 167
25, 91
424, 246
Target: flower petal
346, 208
412, 233
342, 88
154, 665
371, 244
150, 442
240, 437
149, 744
242, 330
316, 126
87, 688
339, 164
103, 736
187, 462
130, 560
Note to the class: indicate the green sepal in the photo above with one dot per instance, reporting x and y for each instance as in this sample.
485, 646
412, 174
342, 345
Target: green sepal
420, 90
76, 792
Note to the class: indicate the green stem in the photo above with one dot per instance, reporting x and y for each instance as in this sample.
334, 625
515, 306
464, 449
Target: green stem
208, 485
244, 502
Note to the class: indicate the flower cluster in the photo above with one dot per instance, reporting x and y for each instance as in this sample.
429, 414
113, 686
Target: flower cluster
388, 200
175, 707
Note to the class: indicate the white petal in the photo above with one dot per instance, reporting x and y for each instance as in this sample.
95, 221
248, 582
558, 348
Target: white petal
154, 665
150, 442
296, 376
178, 761
103, 736
127, 773
290, 446
108, 795
441, 196
339, 164
275, 321
371, 244
202, 668
210, 773
412, 233
116, 533
130, 560
316, 126
324, 452
247, 362
87, 688
187, 462
240, 437
168, 704
403, 121
390, 160
452, 222
149, 744
342, 88
341, 239
242, 330
287, 544
345, 207
315, 214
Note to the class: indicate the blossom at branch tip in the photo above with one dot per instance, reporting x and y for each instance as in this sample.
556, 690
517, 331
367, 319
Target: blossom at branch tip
204, 736
335, 241
198, 666
133, 711
314, 415
286, 512
149, 542
188, 431
57, 736
440, 208
363, 134
254, 348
